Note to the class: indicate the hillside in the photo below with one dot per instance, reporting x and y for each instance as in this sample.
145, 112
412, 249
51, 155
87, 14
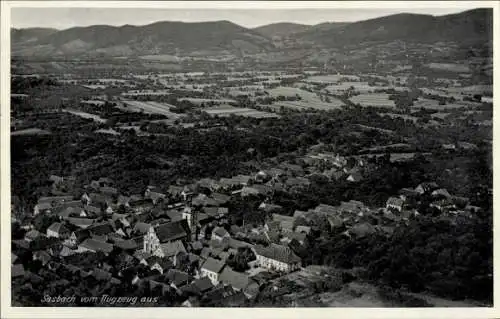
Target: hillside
469, 26
281, 29
157, 38
226, 38
30, 34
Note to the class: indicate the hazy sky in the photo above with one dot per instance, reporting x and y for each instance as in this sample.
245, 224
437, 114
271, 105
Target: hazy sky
63, 18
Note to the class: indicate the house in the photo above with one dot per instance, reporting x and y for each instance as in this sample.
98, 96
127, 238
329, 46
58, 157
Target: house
42, 256
17, 270
203, 200
198, 287
32, 235
303, 229
78, 236
221, 199
100, 230
270, 208
141, 206
441, 192
212, 268
223, 296
249, 191
239, 281
162, 265
156, 197
288, 237
177, 278
286, 222
107, 190
394, 203
42, 208
427, 187
276, 257
58, 230
220, 233
141, 228
80, 222
172, 231
169, 249
354, 177
95, 246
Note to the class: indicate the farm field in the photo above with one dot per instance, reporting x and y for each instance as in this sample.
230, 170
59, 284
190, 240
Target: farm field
361, 87
146, 92
434, 105
401, 116
309, 99
453, 67
331, 78
199, 101
149, 107
30, 131
472, 89
227, 110
86, 115
373, 99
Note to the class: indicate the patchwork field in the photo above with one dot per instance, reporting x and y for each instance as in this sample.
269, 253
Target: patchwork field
149, 107
30, 131
227, 110
434, 105
199, 101
308, 99
373, 99
453, 67
331, 78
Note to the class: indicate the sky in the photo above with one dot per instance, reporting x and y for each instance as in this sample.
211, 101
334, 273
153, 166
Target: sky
64, 18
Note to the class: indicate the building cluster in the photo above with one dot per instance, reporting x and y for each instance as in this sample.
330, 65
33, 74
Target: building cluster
180, 239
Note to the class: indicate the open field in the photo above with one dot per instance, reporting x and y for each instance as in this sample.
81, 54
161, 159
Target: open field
199, 101
453, 67
373, 99
85, 115
434, 105
401, 116
30, 131
149, 107
361, 87
472, 89
227, 110
146, 92
331, 78
308, 99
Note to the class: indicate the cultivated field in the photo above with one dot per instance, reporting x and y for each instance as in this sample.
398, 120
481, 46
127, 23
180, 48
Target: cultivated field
331, 78
309, 99
453, 67
30, 131
434, 105
227, 110
149, 107
373, 99
199, 101
86, 115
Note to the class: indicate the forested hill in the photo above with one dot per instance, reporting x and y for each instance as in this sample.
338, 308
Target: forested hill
226, 38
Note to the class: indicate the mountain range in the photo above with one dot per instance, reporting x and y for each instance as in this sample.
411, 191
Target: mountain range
227, 38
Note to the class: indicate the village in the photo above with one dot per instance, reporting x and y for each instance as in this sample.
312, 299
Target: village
178, 240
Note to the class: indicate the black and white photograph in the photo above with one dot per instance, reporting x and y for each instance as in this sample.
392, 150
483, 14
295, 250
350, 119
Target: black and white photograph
241, 157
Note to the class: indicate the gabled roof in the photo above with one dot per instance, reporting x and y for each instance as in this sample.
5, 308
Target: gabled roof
81, 234
213, 265
17, 270
96, 245
128, 244
203, 284
66, 251
394, 201
80, 222
172, 248
236, 279
141, 228
220, 231
179, 278
277, 252
221, 198
172, 231
101, 229
58, 228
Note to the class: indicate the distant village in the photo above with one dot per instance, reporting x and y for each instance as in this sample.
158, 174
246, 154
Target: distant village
179, 238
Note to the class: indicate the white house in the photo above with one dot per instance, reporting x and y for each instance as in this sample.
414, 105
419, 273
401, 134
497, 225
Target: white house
277, 257
212, 269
